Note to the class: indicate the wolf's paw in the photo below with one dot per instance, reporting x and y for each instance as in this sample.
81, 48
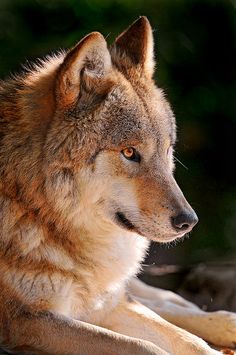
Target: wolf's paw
223, 328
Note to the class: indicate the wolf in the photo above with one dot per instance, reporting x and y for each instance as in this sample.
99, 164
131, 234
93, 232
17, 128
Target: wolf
86, 182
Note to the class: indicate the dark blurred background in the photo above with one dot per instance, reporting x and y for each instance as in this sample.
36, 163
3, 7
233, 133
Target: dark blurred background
196, 65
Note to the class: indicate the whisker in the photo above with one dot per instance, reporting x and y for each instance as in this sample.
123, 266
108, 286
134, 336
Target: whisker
181, 163
107, 35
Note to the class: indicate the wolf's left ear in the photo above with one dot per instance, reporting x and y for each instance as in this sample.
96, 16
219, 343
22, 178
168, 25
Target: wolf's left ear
85, 69
134, 49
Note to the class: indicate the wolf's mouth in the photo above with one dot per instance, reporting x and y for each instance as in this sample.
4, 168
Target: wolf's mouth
121, 218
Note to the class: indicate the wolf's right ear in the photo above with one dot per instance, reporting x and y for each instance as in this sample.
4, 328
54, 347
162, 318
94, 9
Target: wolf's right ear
86, 66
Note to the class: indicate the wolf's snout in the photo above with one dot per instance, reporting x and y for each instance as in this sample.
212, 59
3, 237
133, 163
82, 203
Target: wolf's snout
184, 221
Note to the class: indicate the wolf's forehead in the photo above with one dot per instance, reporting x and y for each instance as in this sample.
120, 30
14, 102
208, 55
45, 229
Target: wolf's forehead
135, 115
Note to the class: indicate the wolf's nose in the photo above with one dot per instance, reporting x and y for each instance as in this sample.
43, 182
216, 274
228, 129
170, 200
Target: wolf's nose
184, 221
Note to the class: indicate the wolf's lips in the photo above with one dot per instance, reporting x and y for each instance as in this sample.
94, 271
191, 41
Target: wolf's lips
124, 221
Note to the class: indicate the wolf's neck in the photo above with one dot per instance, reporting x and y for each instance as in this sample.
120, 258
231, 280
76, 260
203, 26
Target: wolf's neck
113, 255
119, 255
67, 268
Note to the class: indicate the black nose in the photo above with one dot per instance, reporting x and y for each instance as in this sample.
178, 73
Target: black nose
184, 221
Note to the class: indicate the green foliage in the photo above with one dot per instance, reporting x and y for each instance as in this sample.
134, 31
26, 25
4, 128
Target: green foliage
195, 52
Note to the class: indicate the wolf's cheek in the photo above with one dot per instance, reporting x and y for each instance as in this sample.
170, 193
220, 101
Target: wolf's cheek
62, 191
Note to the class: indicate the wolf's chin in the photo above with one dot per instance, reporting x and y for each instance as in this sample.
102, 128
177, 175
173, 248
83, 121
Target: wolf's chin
169, 238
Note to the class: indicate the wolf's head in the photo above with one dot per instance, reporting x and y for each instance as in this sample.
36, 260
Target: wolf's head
108, 138
112, 139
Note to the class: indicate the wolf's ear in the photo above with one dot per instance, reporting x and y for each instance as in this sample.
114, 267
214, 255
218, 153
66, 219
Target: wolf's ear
85, 67
134, 50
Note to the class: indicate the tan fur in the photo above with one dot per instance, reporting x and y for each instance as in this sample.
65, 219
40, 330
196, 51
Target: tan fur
65, 256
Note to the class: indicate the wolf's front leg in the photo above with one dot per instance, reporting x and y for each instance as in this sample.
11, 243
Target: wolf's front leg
218, 328
135, 320
50, 333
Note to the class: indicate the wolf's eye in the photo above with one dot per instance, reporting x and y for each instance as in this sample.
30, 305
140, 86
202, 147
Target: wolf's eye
131, 154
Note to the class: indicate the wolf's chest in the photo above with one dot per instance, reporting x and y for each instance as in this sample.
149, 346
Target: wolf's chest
113, 266
120, 259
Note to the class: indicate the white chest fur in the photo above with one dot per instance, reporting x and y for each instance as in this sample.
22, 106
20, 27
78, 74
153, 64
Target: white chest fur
114, 260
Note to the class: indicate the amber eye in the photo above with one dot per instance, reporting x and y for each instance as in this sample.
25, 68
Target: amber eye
131, 154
